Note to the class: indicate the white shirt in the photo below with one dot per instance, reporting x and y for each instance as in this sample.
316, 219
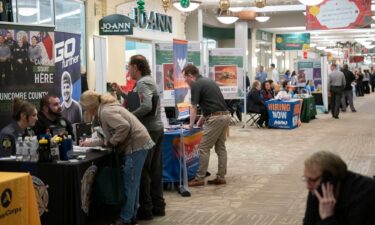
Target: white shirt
274, 75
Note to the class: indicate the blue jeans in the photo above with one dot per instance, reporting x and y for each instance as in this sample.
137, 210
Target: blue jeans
132, 176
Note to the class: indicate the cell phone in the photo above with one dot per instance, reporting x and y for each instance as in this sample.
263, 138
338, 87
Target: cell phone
327, 177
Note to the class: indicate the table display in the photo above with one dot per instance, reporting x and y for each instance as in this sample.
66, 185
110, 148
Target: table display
171, 153
62, 188
18, 203
308, 109
283, 113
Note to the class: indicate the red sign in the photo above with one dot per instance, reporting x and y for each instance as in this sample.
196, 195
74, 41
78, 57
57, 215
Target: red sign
339, 14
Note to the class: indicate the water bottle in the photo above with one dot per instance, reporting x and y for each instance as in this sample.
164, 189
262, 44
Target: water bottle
19, 149
26, 149
34, 149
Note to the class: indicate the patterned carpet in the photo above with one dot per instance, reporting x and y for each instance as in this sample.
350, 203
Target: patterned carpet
264, 184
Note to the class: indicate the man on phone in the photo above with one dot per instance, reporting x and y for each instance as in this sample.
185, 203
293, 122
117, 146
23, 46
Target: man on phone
336, 195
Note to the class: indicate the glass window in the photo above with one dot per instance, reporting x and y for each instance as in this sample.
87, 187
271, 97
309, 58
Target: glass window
135, 47
34, 11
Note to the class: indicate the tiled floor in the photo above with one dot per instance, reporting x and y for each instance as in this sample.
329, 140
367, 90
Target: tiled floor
264, 170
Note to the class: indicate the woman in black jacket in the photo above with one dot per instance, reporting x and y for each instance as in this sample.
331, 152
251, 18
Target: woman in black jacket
256, 104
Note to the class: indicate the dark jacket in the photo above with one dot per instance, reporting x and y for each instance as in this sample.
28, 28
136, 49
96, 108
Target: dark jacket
8, 136
255, 102
354, 206
372, 79
57, 126
267, 95
349, 78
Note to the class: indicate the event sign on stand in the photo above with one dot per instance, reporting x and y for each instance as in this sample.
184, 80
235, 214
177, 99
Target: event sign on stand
283, 113
309, 70
226, 69
339, 14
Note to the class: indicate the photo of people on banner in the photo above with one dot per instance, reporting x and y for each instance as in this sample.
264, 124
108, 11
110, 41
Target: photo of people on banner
26, 58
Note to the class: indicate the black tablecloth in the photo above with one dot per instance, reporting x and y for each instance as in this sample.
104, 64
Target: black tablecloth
67, 185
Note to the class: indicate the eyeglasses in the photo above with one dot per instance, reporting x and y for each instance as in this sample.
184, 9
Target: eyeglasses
310, 180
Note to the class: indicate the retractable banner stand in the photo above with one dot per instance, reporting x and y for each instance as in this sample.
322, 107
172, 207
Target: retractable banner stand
308, 71
68, 74
27, 67
226, 68
164, 68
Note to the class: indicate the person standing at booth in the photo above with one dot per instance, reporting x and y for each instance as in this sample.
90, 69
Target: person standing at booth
127, 135
207, 94
336, 84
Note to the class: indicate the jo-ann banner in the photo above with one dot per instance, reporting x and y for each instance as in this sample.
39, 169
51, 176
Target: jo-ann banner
226, 68
68, 74
283, 114
164, 68
339, 14
27, 67
286, 42
181, 88
171, 158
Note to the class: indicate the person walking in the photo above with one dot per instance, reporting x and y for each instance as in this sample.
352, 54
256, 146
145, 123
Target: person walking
206, 93
348, 90
336, 83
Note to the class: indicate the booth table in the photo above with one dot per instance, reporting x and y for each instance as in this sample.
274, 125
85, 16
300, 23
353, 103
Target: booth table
62, 189
283, 113
171, 153
308, 109
18, 204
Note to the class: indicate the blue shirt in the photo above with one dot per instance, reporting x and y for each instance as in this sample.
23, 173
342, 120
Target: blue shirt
261, 76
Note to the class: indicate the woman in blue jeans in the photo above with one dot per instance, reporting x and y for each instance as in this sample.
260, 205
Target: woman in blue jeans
130, 137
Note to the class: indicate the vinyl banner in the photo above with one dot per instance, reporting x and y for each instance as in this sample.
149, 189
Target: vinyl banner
27, 67
226, 68
339, 14
180, 60
68, 74
309, 70
164, 68
172, 153
283, 114
285, 42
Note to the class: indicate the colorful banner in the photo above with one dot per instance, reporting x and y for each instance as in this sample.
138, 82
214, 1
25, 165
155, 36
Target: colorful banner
308, 71
164, 68
172, 152
286, 42
339, 14
226, 68
68, 74
180, 60
27, 67
283, 114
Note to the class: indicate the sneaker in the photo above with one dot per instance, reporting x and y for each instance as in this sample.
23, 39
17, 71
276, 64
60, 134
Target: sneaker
217, 181
196, 182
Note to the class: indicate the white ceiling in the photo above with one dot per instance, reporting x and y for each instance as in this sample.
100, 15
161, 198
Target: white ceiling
291, 21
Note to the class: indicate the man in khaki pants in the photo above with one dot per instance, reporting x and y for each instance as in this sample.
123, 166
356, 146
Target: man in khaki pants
206, 93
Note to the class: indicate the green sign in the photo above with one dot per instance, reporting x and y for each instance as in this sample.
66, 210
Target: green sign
116, 24
293, 41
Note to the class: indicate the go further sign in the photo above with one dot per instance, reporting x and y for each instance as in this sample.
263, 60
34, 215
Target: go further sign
116, 24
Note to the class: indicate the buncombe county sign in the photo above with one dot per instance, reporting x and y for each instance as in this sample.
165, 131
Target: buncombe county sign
116, 24
152, 21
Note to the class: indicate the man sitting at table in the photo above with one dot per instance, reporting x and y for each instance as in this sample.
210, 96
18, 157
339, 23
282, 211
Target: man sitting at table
256, 104
49, 117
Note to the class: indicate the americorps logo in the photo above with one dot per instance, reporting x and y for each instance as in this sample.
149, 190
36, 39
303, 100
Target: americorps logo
6, 198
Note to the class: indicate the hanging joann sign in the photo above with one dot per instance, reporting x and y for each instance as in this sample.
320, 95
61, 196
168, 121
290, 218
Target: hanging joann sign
116, 24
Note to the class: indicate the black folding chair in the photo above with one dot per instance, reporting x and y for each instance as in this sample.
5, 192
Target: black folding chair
254, 117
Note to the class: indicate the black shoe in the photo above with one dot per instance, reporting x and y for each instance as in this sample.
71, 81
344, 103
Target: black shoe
354, 111
158, 212
119, 222
336, 117
144, 215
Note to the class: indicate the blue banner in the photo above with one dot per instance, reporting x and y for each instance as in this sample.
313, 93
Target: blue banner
68, 74
283, 114
180, 60
172, 152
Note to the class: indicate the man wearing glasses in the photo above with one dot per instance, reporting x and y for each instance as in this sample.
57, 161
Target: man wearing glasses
336, 195
49, 117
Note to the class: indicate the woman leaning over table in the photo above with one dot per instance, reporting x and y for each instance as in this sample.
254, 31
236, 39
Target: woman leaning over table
123, 131
24, 117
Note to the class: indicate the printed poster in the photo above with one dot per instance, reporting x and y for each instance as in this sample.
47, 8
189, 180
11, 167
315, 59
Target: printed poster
68, 74
286, 42
27, 67
339, 14
309, 71
226, 69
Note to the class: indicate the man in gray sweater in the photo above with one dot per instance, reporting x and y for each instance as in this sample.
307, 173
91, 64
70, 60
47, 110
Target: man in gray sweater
336, 85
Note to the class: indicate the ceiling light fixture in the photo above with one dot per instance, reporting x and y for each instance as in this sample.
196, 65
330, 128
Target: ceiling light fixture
27, 11
192, 6
225, 15
262, 19
260, 3
311, 2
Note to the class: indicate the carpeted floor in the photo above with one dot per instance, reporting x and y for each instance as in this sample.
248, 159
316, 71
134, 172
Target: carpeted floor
265, 166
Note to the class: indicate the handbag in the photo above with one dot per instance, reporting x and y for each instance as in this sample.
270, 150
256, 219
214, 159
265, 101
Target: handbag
109, 182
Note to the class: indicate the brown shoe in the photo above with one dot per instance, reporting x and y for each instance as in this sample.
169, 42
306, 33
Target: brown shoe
196, 182
217, 181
